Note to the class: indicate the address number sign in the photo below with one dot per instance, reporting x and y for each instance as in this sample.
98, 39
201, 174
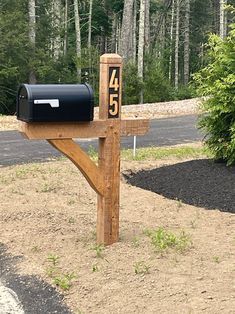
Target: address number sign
114, 92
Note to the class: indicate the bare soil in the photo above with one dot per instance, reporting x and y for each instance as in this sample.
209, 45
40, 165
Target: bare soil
50, 210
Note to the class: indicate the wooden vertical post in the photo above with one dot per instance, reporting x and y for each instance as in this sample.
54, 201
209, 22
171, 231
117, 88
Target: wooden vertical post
109, 148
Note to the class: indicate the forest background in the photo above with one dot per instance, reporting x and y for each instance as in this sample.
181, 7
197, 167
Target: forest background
162, 42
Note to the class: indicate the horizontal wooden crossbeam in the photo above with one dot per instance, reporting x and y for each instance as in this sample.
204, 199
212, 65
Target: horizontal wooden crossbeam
94, 129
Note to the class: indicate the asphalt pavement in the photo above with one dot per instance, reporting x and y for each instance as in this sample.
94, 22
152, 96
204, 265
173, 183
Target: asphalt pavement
14, 149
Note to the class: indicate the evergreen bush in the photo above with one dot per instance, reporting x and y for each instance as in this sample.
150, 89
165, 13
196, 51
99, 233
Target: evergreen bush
217, 82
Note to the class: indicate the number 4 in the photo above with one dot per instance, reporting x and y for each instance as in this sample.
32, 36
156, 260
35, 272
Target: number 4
114, 81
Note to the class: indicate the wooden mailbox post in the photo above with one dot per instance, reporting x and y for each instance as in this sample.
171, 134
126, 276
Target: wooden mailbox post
104, 178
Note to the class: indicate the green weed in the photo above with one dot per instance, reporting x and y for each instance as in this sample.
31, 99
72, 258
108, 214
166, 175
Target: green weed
99, 249
141, 268
54, 259
64, 281
72, 220
95, 268
163, 240
216, 259
136, 242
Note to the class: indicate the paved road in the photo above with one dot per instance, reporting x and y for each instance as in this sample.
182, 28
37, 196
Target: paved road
169, 131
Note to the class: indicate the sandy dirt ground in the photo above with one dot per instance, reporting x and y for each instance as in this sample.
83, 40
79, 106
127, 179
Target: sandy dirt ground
48, 216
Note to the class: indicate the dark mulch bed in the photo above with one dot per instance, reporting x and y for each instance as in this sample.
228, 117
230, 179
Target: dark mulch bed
198, 182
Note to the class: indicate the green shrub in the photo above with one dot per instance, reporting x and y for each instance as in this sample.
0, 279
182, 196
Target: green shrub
217, 82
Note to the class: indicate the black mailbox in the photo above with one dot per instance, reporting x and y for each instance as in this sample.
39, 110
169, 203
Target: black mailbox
55, 103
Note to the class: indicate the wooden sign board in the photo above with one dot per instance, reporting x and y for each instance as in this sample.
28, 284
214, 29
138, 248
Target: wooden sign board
104, 178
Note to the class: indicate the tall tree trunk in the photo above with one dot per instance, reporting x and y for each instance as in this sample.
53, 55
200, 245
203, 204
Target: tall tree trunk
177, 44
225, 19
125, 49
147, 24
32, 36
141, 46
65, 26
89, 24
78, 39
186, 42
134, 29
223, 23
89, 33
171, 38
56, 24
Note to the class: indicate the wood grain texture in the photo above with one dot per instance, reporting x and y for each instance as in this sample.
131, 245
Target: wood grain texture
94, 129
109, 158
60, 130
134, 127
82, 161
108, 204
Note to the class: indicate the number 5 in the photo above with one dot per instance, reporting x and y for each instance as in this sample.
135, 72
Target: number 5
114, 104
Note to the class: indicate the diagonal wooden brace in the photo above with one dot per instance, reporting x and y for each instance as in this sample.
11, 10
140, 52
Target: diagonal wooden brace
82, 161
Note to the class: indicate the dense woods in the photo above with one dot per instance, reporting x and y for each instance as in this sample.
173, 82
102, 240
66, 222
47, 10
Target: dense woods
163, 42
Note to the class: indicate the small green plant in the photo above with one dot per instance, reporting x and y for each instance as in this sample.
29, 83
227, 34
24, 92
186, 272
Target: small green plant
72, 220
35, 249
141, 268
71, 202
95, 268
54, 259
179, 203
99, 249
64, 281
163, 240
47, 188
216, 259
136, 242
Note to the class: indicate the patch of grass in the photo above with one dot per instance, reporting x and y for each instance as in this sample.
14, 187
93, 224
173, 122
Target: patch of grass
162, 240
141, 268
155, 153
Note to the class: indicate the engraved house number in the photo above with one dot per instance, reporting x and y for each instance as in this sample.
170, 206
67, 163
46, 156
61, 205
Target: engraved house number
114, 92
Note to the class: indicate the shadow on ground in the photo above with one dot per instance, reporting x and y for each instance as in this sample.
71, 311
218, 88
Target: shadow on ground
198, 182
36, 296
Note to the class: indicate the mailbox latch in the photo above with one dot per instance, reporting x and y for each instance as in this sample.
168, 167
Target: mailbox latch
54, 103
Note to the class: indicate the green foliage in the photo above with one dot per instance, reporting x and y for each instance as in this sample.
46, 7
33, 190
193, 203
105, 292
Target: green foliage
156, 86
59, 278
217, 82
163, 240
131, 84
99, 249
141, 268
